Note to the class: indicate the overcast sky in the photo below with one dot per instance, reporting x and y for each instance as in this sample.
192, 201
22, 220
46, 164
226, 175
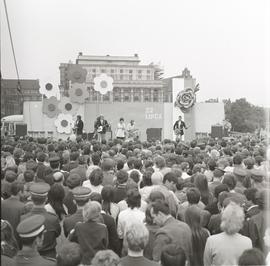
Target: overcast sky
225, 44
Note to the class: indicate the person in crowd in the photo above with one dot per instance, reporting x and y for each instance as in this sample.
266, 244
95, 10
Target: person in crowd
257, 179
95, 181
73, 181
39, 192
9, 245
251, 206
105, 258
211, 166
120, 191
107, 167
55, 204
131, 214
114, 243
172, 255
171, 231
81, 196
41, 167
257, 224
267, 245
31, 232
69, 254
81, 168
94, 163
108, 206
9, 177
146, 185
251, 257
28, 177
91, 235
201, 183
12, 208
73, 163
152, 229
185, 168
216, 180
101, 126
199, 234
242, 180
120, 132
136, 236
226, 248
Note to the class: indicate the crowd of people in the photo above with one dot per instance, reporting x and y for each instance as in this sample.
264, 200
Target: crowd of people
116, 202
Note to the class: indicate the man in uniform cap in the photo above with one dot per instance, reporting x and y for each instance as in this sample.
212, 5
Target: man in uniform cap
39, 192
30, 231
81, 196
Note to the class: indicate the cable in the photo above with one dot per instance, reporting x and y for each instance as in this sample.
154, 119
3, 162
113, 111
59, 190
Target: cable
12, 46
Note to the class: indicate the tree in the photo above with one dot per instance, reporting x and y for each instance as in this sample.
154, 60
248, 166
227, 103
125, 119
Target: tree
244, 116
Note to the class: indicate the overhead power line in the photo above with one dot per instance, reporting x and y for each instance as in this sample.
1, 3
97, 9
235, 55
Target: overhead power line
13, 50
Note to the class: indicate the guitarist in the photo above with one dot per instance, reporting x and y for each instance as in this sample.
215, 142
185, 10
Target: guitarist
179, 127
101, 126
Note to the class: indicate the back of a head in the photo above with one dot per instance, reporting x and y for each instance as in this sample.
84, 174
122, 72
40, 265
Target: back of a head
133, 198
251, 257
193, 195
230, 180
69, 254
172, 255
105, 258
107, 164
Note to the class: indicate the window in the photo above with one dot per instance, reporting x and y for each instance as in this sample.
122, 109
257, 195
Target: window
103, 70
148, 71
156, 95
136, 95
147, 95
94, 70
127, 95
112, 70
117, 95
139, 76
130, 71
106, 97
121, 71
139, 71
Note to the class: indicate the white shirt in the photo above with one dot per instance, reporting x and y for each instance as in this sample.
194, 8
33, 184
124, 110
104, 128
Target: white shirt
93, 188
126, 218
120, 131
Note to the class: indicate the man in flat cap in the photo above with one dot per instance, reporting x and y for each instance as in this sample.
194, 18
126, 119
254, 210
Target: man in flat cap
242, 180
81, 196
257, 179
30, 231
39, 192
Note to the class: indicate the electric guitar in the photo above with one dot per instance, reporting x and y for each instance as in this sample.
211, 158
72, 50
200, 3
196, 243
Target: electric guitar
179, 131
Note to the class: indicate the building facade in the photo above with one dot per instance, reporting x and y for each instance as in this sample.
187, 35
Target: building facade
13, 94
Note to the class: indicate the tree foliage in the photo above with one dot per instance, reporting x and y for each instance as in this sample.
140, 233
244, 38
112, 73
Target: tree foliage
244, 116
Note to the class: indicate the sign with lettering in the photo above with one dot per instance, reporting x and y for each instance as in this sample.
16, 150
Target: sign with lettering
150, 114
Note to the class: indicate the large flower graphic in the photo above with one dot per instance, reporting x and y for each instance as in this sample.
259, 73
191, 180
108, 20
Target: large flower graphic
64, 123
78, 92
76, 74
185, 99
103, 83
49, 90
68, 107
50, 107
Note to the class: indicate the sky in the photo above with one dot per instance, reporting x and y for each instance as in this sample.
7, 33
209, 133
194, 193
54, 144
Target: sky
225, 44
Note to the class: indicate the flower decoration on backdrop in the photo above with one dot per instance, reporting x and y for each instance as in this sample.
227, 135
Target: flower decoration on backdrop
103, 83
66, 106
78, 93
49, 90
186, 98
76, 74
50, 107
64, 123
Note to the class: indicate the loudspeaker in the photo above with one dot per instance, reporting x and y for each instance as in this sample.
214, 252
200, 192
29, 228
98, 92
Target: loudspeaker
153, 134
217, 132
21, 130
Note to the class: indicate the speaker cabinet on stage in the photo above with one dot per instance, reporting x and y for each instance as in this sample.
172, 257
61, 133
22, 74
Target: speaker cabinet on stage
21, 130
217, 131
153, 134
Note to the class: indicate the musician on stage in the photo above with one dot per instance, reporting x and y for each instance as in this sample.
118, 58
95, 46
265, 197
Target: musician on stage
132, 132
179, 127
79, 126
121, 129
101, 126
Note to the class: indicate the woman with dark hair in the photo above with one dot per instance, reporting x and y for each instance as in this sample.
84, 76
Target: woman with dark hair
172, 255
55, 201
200, 181
9, 246
199, 234
108, 206
95, 181
146, 185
